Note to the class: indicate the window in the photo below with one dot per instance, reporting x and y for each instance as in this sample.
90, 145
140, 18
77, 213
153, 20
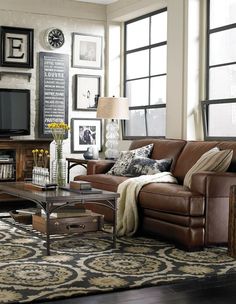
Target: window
219, 109
145, 75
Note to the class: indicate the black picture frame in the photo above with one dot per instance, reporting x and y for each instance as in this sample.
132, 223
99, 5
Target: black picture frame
79, 135
88, 90
17, 47
53, 90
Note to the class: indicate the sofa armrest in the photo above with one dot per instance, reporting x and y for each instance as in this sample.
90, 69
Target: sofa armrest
213, 184
99, 166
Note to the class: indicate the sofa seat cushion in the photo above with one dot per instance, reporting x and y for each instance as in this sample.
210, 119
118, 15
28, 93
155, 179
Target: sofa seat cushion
103, 181
187, 221
171, 198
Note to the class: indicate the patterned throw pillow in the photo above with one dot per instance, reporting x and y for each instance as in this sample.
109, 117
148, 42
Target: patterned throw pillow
213, 160
143, 166
122, 164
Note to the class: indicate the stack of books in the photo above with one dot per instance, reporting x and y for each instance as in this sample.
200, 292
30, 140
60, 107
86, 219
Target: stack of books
80, 185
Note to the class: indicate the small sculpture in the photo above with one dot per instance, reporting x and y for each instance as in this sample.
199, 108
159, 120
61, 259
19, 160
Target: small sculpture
89, 153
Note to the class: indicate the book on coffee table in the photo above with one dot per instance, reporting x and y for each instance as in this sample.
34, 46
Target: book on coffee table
80, 185
84, 191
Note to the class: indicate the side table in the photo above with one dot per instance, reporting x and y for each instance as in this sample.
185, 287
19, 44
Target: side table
232, 222
72, 162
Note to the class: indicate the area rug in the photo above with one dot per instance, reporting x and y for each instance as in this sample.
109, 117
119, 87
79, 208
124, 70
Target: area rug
85, 265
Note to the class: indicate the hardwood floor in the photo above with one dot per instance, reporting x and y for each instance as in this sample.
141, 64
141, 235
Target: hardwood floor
218, 290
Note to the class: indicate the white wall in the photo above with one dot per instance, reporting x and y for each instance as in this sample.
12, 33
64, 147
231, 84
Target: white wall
41, 15
193, 120
175, 69
63, 8
183, 77
123, 10
184, 68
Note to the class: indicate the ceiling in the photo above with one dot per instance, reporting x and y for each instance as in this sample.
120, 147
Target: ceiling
98, 1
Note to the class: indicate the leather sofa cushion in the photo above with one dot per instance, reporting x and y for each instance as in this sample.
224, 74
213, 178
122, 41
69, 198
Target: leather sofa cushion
166, 197
103, 181
224, 145
171, 198
192, 151
163, 148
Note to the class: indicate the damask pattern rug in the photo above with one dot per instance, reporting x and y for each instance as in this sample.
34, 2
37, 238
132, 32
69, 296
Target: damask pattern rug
85, 265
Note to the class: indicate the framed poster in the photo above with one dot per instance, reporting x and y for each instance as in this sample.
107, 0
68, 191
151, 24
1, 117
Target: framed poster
87, 92
17, 47
86, 51
85, 133
53, 90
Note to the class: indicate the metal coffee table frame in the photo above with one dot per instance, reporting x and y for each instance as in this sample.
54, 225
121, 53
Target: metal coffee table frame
52, 200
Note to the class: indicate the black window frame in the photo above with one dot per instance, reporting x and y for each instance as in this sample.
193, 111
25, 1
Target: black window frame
148, 47
208, 102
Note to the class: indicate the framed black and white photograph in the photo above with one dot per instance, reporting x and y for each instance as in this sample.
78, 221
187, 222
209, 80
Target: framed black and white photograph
85, 133
87, 92
17, 47
87, 51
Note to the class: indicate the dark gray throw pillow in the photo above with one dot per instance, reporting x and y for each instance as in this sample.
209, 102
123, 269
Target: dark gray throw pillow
143, 166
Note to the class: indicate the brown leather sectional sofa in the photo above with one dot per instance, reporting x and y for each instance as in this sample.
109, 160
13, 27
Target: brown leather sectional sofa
192, 218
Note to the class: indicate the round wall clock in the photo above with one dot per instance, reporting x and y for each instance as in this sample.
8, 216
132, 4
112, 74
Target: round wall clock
54, 38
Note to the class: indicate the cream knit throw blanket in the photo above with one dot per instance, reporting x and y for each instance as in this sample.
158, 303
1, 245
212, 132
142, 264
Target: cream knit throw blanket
127, 213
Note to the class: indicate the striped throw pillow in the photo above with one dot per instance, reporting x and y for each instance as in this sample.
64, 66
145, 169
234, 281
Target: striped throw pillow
213, 160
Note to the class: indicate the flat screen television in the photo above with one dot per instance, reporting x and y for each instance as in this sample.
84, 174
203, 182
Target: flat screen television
14, 112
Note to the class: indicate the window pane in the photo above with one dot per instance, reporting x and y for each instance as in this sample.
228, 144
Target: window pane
156, 122
137, 65
137, 92
141, 28
222, 83
222, 12
158, 60
159, 28
222, 120
144, 86
135, 126
223, 47
158, 90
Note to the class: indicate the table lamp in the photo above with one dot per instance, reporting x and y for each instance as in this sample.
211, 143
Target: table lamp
113, 109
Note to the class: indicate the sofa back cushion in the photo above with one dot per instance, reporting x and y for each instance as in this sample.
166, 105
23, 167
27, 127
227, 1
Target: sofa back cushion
162, 149
191, 153
224, 145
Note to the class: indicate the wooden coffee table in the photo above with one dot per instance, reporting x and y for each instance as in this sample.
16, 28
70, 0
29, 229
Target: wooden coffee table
52, 200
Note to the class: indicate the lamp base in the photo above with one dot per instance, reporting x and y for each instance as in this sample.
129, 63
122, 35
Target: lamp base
112, 137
